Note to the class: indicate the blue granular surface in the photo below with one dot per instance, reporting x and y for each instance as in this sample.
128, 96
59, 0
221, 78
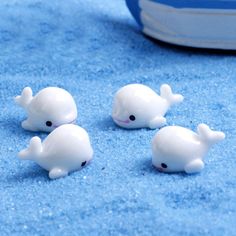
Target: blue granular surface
92, 48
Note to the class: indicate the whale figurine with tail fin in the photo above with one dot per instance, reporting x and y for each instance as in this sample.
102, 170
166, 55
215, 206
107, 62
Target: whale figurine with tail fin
48, 109
138, 106
177, 149
65, 149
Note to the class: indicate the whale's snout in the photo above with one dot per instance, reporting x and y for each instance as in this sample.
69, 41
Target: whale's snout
120, 121
160, 169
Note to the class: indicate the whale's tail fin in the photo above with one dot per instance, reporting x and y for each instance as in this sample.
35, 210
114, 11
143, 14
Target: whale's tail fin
25, 98
209, 136
171, 98
33, 151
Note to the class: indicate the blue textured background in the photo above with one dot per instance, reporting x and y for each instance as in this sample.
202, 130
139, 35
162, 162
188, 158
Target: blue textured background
92, 48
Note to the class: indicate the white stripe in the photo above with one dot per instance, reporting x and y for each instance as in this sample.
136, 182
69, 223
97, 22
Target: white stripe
191, 27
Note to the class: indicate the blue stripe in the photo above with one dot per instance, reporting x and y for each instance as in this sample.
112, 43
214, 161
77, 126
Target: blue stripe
134, 8
207, 4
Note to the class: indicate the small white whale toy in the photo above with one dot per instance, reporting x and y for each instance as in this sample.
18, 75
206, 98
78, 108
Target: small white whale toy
138, 106
48, 109
65, 149
177, 149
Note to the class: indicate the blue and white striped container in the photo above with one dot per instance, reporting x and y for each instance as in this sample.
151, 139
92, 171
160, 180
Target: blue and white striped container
195, 23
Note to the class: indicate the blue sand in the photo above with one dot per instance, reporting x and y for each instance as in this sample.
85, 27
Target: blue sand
92, 48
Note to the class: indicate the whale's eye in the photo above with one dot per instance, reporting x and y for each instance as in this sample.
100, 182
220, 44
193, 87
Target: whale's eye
163, 165
132, 118
49, 123
83, 163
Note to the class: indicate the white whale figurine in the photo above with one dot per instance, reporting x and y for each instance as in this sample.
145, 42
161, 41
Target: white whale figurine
177, 149
48, 109
65, 149
138, 106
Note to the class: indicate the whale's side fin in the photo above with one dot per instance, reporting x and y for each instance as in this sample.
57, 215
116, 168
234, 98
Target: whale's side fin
57, 173
171, 98
157, 122
25, 98
209, 136
194, 166
33, 151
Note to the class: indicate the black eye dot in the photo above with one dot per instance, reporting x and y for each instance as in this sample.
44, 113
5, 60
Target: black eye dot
163, 165
83, 163
48, 123
132, 117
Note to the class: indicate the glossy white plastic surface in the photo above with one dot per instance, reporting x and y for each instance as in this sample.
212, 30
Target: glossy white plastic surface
177, 149
138, 106
48, 109
65, 149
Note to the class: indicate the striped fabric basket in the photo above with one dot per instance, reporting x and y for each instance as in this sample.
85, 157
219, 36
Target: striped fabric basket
194, 23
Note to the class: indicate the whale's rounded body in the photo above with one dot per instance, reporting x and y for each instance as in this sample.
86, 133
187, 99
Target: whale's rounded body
65, 149
176, 146
176, 149
48, 109
138, 106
